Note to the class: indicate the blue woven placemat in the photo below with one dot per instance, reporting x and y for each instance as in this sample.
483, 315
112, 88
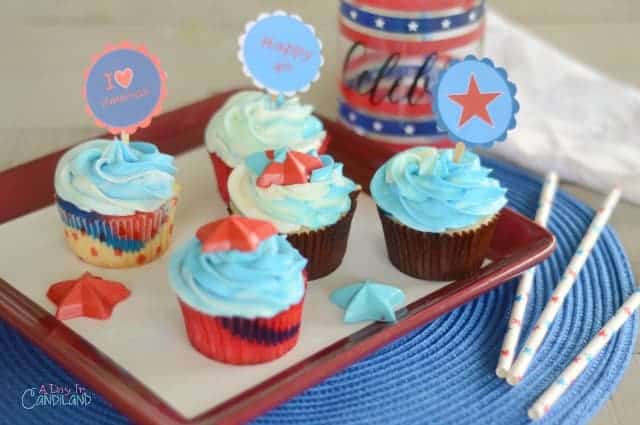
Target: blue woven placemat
442, 373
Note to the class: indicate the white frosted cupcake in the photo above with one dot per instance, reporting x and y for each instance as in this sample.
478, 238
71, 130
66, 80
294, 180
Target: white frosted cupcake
252, 121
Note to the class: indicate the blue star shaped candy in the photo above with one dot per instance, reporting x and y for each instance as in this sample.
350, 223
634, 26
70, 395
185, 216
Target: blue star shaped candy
366, 300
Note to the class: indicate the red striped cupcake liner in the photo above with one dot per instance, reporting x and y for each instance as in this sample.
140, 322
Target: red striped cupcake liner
240, 341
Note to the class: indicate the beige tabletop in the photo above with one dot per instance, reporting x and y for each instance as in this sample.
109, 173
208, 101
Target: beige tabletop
45, 47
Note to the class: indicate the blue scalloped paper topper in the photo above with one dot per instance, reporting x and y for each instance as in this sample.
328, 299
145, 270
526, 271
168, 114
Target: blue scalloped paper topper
281, 53
475, 102
366, 300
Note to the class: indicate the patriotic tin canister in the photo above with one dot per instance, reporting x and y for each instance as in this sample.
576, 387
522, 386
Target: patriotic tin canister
393, 53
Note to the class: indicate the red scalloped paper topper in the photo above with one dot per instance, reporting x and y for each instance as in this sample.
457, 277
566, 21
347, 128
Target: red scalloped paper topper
296, 169
88, 296
124, 88
234, 232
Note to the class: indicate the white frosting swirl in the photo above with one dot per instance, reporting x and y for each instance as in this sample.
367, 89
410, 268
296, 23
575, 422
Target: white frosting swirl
251, 121
114, 178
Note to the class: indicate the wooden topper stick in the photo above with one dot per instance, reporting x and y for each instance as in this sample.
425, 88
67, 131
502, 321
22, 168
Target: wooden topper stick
457, 154
124, 137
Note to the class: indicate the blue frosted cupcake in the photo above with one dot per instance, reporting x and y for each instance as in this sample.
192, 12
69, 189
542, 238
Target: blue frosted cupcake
117, 201
241, 288
438, 215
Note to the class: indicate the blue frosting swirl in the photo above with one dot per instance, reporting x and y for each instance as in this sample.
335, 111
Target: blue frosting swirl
318, 203
426, 190
115, 178
261, 283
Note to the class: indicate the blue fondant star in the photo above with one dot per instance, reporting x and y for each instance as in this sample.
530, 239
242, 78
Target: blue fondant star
257, 162
366, 300
279, 155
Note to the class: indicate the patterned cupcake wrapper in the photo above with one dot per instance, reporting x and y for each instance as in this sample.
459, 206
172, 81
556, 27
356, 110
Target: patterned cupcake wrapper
118, 241
241, 341
222, 170
436, 256
325, 248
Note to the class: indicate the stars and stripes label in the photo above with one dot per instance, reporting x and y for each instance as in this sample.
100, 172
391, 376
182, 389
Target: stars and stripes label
412, 30
393, 54
425, 26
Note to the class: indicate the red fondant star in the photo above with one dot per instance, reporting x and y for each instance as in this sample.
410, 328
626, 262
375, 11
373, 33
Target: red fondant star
474, 103
88, 296
234, 232
295, 169
272, 174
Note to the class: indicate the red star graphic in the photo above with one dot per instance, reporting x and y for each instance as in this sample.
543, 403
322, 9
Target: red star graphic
234, 232
295, 169
474, 103
88, 296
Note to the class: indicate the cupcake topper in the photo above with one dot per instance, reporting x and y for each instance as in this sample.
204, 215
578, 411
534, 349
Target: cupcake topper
234, 232
281, 54
475, 103
124, 88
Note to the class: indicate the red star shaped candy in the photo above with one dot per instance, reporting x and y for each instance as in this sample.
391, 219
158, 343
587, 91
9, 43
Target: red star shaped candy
272, 174
474, 103
234, 232
295, 169
88, 296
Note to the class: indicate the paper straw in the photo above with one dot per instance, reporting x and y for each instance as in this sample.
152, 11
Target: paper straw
555, 390
507, 353
550, 311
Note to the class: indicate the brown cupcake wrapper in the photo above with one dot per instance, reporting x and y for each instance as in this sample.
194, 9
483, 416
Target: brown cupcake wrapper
436, 256
325, 248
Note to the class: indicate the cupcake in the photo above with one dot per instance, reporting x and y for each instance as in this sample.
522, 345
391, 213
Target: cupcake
253, 121
117, 201
305, 196
241, 287
438, 215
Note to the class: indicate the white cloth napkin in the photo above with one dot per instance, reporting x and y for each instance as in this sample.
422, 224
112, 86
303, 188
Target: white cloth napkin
572, 119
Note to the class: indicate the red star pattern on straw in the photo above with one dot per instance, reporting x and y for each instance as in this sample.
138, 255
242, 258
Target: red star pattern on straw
474, 103
88, 296
234, 232
295, 169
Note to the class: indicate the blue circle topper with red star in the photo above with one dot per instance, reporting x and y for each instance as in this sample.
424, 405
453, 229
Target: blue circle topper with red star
281, 53
475, 102
124, 88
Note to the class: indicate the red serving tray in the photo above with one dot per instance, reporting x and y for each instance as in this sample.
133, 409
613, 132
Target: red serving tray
518, 244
